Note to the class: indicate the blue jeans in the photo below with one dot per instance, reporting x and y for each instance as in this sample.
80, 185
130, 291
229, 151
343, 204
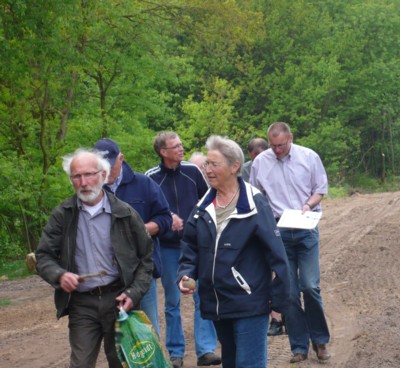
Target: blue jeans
243, 341
204, 332
303, 324
149, 305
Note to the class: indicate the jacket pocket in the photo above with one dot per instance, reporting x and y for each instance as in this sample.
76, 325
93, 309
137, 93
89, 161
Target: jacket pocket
241, 281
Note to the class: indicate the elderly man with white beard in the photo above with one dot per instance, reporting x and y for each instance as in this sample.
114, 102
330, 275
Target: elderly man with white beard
94, 233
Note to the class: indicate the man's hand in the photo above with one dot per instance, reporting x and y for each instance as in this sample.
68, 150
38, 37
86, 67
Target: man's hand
69, 281
125, 302
152, 228
305, 208
177, 223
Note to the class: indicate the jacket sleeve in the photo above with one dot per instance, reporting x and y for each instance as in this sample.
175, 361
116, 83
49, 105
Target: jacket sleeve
160, 212
48, 252
269, 234
189, 251
142, 276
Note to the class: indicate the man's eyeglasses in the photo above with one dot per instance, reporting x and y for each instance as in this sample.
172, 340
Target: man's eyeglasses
278, 146
179, 145
211, 165
88, 175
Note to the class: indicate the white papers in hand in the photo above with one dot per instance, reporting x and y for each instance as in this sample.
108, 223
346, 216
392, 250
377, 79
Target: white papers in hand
296, 220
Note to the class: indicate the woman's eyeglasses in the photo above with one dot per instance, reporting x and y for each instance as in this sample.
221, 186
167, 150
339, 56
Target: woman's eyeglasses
211, 165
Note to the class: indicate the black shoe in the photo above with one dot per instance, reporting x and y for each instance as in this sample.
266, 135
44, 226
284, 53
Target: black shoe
208, 359
275, 328
176, 362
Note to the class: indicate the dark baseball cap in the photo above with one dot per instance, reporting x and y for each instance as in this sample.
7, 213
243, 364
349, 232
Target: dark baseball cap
109, 148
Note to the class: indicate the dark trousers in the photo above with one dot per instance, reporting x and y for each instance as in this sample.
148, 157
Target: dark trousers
91, 319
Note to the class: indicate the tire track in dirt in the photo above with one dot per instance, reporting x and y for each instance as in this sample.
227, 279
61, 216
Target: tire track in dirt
352, 236
360, 270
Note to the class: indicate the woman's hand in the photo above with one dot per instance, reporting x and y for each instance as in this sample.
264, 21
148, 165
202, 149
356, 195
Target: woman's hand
187, 285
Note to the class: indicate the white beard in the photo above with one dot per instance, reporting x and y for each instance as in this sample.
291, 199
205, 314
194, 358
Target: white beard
91, 197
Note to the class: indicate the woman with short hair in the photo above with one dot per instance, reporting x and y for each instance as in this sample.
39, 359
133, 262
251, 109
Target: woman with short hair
231, 246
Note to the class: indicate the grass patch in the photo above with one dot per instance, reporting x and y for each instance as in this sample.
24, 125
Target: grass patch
337, 192
14, 269
5, 302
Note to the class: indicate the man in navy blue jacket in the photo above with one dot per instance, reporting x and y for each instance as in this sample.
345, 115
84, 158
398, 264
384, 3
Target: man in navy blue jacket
183, 184
145, 196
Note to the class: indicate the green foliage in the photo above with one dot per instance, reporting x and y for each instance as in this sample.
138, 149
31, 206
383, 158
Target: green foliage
363, 183
366, 184
13, 269
72, 72
213, 115
336, 146
137, 147
337, 192
10, 250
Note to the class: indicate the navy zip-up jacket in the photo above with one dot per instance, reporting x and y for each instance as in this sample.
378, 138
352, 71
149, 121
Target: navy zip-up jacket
234, 268
182, 187
145, 196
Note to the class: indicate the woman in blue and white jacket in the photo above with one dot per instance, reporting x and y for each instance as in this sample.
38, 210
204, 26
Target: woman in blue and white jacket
231, 246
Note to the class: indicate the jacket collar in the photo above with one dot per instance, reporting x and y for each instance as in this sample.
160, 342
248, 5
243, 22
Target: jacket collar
127, 174
245, 204
167, 170
118, 209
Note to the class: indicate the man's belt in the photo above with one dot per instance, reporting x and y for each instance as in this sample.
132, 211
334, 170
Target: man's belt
100, 290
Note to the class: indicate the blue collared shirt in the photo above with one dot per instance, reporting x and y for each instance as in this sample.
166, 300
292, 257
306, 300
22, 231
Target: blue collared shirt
94, 252
114, 186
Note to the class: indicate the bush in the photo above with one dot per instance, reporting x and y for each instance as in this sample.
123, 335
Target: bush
9, 250
14, 269
337, 192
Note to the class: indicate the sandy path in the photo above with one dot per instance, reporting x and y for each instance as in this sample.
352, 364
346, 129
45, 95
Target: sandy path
360, 281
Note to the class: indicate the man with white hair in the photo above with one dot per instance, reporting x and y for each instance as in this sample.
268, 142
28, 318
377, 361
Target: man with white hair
96, 253
198, 158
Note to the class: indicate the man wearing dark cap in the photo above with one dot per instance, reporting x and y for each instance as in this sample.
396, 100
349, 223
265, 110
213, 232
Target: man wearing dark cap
146, 197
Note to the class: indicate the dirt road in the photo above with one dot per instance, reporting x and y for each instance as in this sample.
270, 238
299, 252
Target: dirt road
360, 282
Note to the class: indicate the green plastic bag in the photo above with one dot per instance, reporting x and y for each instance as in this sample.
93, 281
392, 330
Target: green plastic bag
137, 343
